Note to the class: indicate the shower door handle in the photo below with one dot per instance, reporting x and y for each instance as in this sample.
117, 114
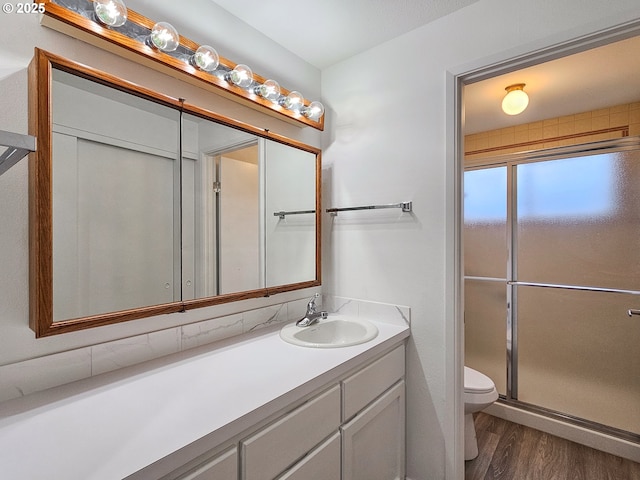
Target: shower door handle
631, 312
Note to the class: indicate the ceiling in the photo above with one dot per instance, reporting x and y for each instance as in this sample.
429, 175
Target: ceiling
590, 80
325, 32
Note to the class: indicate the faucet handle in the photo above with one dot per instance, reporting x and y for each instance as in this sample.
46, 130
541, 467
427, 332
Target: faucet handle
311, 306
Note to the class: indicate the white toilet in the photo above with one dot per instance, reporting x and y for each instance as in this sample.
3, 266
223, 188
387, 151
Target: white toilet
479, 393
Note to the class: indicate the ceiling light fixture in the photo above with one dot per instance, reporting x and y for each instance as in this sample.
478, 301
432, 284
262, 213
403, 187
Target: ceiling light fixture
516, 100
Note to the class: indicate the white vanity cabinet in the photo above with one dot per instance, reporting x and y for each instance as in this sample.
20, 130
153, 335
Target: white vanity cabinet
373, 442
268, 453
222, 466
373, 437
351, 428
368, 410
323, 463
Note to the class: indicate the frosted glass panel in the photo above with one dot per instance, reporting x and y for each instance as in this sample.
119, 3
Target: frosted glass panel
485, 329
485, 217
577, 220
578, 354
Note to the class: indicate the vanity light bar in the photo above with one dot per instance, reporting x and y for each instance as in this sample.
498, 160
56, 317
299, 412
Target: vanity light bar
110, 25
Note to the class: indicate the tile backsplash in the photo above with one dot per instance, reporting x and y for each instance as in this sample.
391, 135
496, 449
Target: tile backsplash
23, 378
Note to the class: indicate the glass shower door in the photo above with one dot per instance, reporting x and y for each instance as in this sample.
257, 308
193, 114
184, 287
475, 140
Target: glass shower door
576, 270
485, 285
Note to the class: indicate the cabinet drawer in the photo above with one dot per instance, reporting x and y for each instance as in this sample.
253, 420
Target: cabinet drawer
273, 449
323, 463
221, 467
363, 387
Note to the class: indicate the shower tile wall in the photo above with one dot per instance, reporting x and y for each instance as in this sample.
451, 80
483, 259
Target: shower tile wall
557, 132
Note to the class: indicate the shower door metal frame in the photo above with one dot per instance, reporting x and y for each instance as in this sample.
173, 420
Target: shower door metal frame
511, 161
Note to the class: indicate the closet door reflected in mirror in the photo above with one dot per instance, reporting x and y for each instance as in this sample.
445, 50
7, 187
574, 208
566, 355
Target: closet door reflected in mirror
115, 211
141, 204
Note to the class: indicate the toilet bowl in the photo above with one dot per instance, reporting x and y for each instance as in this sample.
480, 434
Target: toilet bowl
479, 393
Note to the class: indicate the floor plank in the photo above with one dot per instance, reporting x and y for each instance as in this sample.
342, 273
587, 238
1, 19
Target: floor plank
515, 452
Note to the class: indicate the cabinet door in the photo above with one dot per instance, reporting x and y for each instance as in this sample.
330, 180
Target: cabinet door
323, 463
374, 441
221, 467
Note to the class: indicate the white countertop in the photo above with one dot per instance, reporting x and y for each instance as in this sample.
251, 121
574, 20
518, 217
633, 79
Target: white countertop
112, 425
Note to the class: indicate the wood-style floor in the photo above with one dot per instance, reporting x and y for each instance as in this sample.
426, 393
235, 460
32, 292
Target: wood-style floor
515, 452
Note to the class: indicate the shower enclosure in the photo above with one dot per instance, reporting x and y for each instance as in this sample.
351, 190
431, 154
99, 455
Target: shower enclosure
552, 281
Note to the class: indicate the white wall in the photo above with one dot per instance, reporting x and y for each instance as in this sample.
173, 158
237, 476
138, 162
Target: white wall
388, 143
385, 142
19, 35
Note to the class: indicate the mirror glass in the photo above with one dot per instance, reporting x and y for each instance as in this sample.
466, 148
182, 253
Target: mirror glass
115, 216
155, 206
248, 211
290, 239
221, 205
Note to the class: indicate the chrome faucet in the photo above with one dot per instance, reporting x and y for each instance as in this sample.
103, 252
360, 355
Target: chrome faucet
312, 315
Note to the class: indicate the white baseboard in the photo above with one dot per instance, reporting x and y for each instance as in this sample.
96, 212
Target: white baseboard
575, 433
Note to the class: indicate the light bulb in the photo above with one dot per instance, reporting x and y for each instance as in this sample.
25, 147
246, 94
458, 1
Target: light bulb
516, 100
269, 90
294, 101
164, 37
242, 76
205, 58
314, 111
112, 13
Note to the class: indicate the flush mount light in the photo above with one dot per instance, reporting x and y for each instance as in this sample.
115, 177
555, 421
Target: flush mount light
206, 58
164, 37
516, 100
314, 111
112, 13
270, 90
294, 101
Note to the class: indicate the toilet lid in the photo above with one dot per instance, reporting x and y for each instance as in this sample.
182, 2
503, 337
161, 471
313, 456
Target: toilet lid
476, 382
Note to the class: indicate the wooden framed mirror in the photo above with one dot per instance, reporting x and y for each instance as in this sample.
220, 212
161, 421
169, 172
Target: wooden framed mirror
142, 204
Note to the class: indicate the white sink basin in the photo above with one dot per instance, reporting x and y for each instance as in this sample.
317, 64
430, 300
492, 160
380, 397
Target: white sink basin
331, 332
